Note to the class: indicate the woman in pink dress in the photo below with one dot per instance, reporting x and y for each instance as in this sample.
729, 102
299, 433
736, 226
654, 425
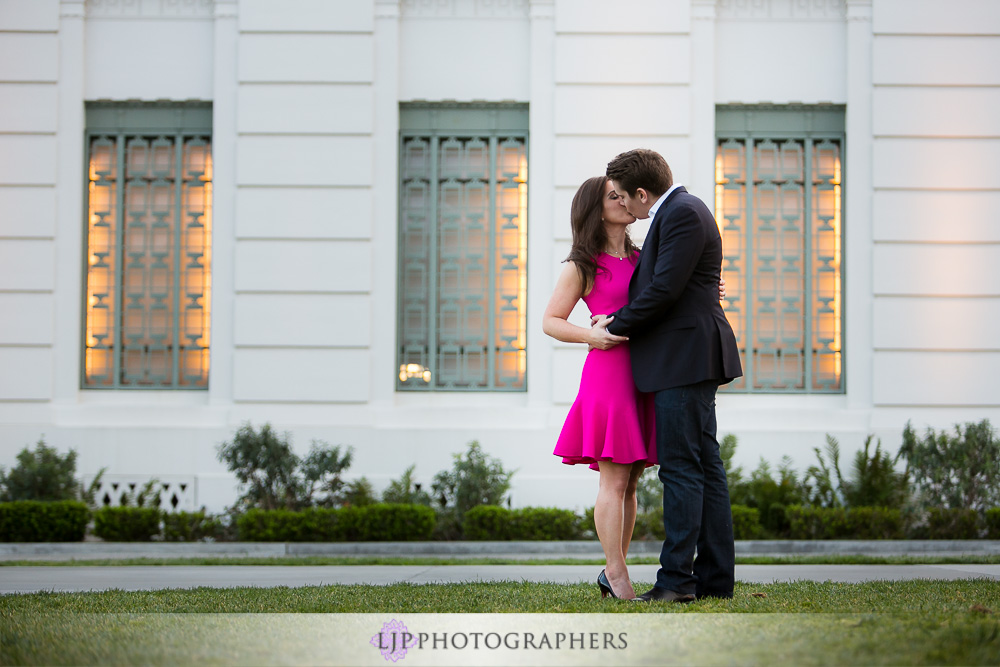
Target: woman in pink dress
611, 425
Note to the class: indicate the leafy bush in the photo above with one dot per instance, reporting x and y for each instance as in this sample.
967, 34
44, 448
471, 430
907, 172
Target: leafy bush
127, 524
395, 523
43, 521
475, 479
648, 526
770, 496
190, 526
545, 523
649, 491
959, 471
491, 522
381, 522
992, 520
949, 524
874, 480
274, 477
359, 493
839, 523
405, 491
42, 474
746, 522
487, 522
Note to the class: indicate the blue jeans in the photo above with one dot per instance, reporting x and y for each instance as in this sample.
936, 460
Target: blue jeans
696, 510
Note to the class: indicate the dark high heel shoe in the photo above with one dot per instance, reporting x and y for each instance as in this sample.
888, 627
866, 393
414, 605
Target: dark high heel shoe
605, 585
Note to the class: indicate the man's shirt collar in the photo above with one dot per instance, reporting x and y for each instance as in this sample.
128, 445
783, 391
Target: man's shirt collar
659, 202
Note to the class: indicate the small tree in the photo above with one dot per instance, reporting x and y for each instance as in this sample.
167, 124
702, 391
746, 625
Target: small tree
476, 479
960, 471
42, 474
321, 472
727, 450
405, 491
274, 477
874, 480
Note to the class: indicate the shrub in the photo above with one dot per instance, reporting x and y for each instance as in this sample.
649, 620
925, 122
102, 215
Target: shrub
992, 520
475, 479
43, 521
874, 480
955, 471
190, 526
770, 496
487, 522
545, 523
275, 478
42, 474
950, 524
649, 491
746, 522
649, 526
405, 491
359, 493
491, 522
127, 524
395, 523
379, 522
839, 523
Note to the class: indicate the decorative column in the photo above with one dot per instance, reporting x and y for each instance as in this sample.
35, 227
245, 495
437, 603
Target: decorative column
701, 181
858, 189
385, 183
541, 189
220, 385
69, 203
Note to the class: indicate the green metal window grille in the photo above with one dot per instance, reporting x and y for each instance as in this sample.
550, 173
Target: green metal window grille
462, 247
148, 246
779, 205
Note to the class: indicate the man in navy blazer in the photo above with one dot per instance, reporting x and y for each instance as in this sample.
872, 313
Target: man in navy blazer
682, 349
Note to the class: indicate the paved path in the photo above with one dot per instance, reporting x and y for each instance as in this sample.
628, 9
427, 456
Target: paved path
138, 578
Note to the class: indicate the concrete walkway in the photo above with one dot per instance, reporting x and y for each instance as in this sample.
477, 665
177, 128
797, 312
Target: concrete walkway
584, 549
30, 579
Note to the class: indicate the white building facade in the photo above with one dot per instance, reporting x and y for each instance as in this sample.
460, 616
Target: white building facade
345, 218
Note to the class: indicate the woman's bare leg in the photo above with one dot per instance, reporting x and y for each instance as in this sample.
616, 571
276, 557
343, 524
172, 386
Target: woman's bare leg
630, 505
609, 518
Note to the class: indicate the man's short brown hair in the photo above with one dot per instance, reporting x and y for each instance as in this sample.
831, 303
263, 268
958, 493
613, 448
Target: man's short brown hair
641, 168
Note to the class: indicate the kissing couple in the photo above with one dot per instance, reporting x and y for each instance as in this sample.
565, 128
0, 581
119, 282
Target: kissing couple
660, 347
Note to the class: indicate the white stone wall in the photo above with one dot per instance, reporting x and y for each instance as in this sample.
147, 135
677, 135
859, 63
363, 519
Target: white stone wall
305, 142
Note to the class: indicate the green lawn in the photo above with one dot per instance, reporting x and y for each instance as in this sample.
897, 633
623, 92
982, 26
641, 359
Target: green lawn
912, 622
817, 559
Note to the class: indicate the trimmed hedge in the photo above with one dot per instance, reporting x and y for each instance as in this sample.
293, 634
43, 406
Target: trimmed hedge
649, 525
127, 524
746, 522
189, 526
838, 523
369, 523
951, 524
992, 519
492, 522
43, 521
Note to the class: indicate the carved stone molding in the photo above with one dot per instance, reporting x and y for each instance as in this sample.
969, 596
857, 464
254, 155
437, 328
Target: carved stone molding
461, 9
129, 9
778, 10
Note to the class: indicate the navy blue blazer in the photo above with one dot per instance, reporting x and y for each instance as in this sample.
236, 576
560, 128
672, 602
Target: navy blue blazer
678, 332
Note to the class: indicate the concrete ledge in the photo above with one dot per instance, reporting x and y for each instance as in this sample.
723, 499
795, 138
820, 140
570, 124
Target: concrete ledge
569, 549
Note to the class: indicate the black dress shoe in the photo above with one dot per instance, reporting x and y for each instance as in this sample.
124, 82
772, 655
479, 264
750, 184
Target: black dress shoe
664, 595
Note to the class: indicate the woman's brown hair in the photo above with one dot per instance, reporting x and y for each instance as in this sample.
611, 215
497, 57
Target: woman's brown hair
589, 237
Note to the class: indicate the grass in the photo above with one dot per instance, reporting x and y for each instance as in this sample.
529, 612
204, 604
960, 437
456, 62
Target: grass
912, 622
812, 559
919, 596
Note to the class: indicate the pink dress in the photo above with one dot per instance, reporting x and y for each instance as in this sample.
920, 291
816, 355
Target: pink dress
610, 419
